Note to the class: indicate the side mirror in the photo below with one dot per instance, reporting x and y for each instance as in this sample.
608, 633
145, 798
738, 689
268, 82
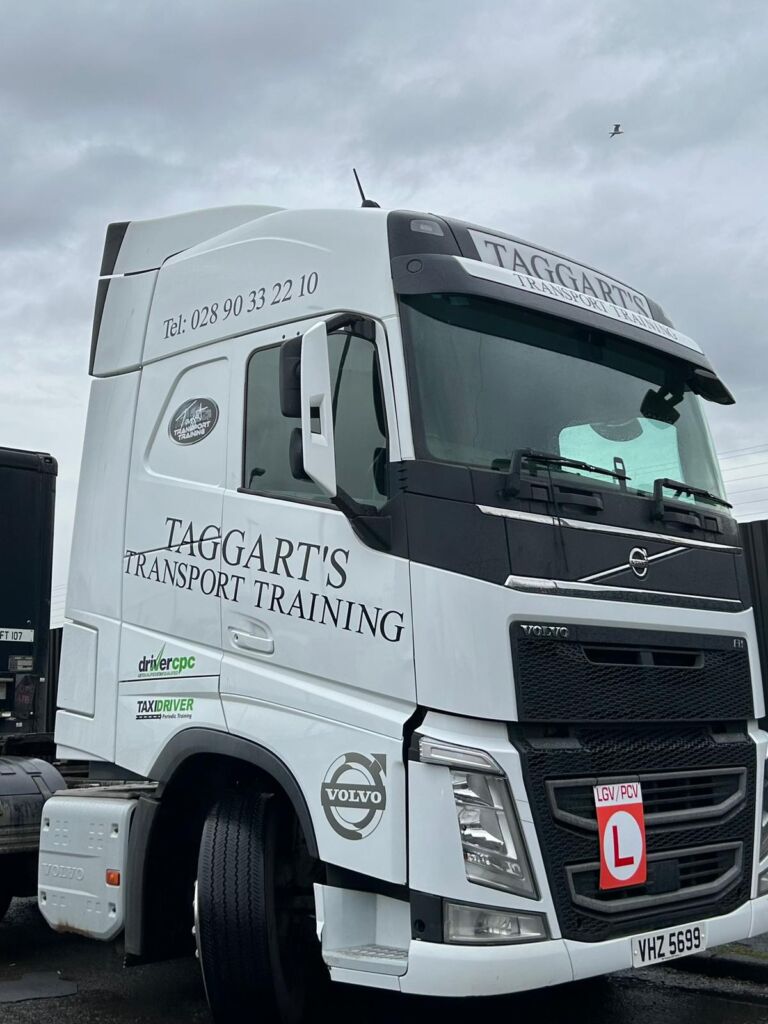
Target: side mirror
290, 378
317, 443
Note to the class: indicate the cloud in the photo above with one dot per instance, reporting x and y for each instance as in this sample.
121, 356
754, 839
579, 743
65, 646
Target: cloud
497, 113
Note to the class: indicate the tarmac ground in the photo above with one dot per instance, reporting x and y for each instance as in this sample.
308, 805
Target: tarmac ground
47, 978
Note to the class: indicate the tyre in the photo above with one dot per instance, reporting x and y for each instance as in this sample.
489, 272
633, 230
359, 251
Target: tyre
254, 912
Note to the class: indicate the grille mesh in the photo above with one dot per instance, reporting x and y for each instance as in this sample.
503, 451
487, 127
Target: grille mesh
680, 795
609, 752
630, 675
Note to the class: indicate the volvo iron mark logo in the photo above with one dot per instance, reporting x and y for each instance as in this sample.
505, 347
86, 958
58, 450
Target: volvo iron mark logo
638, 562
353, 794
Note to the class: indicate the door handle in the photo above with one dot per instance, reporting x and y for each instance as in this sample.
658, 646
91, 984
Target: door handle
259, 643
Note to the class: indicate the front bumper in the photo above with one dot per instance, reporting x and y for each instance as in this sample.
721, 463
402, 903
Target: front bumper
441, 970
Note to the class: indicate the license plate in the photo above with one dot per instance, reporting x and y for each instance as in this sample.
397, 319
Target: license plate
668, 944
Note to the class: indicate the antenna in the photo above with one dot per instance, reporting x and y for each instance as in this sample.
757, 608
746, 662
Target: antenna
365, 202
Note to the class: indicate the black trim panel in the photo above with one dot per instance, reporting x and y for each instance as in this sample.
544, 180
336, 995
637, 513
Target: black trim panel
135, 877
593, 592
426, 917
112, 244
344, 878
194, 741
440, 518
550, 754
98, 312
434, 273
578, 673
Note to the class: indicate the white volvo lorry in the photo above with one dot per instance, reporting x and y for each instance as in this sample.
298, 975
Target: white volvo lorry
405, 596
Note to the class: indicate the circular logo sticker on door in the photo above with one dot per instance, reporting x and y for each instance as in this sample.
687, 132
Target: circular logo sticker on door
353, 794
193, 421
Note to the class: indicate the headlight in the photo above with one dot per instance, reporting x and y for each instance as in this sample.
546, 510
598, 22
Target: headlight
494, 850
491, 837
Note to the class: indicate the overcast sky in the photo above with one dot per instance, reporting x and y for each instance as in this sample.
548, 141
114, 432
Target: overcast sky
496, 112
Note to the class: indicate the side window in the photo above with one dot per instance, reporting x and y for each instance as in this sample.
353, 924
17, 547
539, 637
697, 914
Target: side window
359, 425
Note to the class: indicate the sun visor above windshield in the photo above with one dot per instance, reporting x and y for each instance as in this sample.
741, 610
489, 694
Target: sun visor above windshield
625, 314
429, 274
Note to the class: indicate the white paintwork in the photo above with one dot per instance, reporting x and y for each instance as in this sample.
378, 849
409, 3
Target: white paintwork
759, 924
495, 970
92, 736
77, 670
176, 482
760, 739
397, 382
319, 453
95, 573
80, 840
354, 924
346, 249
447, 970
309, 743
123, 324
143, 729
148, 243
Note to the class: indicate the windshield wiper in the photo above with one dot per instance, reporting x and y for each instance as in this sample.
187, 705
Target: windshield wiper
677, 485
520, 455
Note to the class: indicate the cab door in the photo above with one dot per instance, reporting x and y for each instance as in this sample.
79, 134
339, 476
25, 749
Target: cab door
170, 634
316, 623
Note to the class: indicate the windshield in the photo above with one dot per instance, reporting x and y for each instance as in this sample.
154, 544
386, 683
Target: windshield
488, 379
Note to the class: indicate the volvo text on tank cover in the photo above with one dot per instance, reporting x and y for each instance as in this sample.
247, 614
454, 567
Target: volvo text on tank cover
402, 559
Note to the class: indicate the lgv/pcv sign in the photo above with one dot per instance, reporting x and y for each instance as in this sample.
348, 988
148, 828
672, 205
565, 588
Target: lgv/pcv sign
621, 828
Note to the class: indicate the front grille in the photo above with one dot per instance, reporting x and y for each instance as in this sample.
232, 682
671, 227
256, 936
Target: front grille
674, 877
668, 797
698, 788
589, 674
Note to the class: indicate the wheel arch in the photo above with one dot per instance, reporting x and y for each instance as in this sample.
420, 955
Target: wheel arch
193, 768
212, 742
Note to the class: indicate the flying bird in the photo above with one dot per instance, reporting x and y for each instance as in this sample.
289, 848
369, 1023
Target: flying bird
616, 131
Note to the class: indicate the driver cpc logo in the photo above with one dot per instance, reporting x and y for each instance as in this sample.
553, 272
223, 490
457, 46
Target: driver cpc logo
353, 794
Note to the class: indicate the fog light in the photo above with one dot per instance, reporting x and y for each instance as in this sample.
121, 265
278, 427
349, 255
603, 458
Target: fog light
762, 884
479, 926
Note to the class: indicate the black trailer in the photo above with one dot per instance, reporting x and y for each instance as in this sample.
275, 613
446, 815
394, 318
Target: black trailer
28, 664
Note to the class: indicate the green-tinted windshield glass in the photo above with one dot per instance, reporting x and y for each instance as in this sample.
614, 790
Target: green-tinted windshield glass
488, 378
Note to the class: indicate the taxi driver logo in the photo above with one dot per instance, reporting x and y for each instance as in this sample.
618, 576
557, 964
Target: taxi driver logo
353, 794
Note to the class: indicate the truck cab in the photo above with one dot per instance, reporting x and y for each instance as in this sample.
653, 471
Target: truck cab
398, 540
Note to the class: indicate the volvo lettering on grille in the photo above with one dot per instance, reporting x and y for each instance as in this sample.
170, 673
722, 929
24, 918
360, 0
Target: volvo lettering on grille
541, 630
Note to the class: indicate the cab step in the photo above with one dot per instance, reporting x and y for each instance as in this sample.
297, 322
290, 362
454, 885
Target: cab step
369, 957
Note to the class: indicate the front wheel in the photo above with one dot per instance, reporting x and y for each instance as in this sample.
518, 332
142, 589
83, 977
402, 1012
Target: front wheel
254, 912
